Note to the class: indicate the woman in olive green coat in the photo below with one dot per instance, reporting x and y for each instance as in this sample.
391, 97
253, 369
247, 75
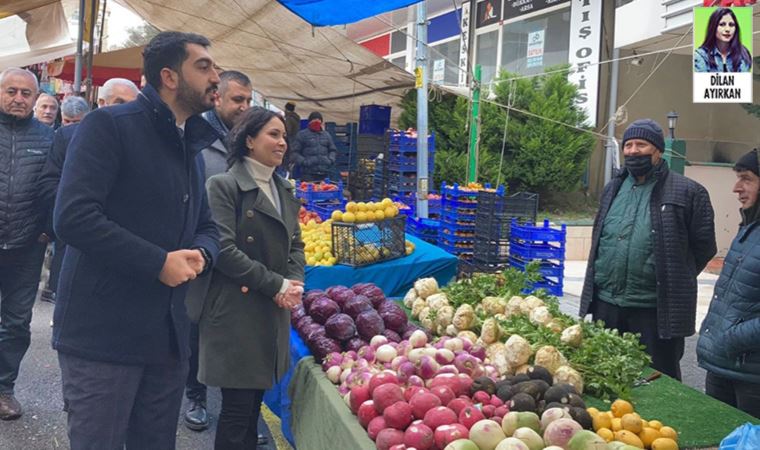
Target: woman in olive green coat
258, 278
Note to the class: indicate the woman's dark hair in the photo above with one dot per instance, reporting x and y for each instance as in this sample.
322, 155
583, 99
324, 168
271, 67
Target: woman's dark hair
168, 49
737, 51
249, 124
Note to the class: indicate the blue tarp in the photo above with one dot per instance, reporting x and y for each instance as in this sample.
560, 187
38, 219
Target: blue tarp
323, 13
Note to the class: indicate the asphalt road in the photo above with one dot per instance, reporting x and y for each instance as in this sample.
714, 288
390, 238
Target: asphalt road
43, 425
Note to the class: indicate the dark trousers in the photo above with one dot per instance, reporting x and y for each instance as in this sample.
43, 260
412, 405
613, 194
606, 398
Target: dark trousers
666, 353
55, 265
19, 279
238, 421
739, 394
112, 405
194, 389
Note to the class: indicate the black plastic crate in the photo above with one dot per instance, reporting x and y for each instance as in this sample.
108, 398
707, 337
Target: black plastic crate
491, 251
522, 205
361, 244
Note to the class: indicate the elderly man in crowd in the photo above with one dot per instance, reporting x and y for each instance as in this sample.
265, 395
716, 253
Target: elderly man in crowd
46, 109
24, 144
73, 108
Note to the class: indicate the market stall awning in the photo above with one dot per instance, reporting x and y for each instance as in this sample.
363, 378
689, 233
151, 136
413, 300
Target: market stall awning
124, 63
319, 69
340, 12
32, 32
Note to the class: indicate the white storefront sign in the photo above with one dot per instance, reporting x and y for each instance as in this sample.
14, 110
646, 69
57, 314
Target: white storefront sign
585, 45
463, 44
439, 67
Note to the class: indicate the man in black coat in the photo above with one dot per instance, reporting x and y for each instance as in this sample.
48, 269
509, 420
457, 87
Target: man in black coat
115, 91
653, 234
132, 209
24, 144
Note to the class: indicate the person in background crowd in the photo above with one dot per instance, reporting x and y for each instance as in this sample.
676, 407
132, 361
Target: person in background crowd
24, 144
722, 49
313, 151
133, 210
234, 98
653, 234
292, 127
73, 108
46, 109
729, 341
257, 281
115, 91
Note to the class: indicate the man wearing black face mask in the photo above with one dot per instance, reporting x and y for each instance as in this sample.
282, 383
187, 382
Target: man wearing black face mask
653, 234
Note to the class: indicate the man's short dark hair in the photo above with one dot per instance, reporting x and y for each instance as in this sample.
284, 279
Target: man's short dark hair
233, 75
290, 106
168, 49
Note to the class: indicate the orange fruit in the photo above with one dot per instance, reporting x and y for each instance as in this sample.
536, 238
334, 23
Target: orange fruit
629, 438
656, 424
648, 435
601, 421
606, 434
664, 444
668, 432
631, 423
592, 411
617, 424
621, 407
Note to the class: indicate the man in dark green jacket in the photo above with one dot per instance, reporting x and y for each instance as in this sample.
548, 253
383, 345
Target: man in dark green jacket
653, 234
729, 341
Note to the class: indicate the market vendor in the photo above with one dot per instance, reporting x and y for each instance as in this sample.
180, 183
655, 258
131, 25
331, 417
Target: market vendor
313, 151
653, 234
729, 341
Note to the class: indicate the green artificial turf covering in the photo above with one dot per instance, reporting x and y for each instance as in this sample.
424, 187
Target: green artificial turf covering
701, 421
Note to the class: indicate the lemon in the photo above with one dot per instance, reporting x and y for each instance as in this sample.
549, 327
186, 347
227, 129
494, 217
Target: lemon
631, 423
668, 432
606, 434
361, 206
361, 216
656, 424
351, 207
621, 407
629, 438
337, 216
592, 411
349, 217
379, 215
386, 202
648, 435
601, 421
664, 444
617, 424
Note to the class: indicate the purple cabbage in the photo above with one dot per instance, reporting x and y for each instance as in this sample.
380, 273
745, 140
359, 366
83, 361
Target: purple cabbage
357, 288
355, 344
342, 296
296, 314
310, 296
394, 319
369, 324
323, 346
313, 331
392, 335
302, 323
340, 327
356, 306
322, 309
373, 293
331, 291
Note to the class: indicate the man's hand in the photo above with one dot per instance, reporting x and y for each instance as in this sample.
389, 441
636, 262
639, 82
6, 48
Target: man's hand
197, 261
180, 266
291, 298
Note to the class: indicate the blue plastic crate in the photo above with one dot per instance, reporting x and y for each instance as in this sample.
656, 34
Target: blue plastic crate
453, 228
543, 233
451, 248
325, 209
551, 287
402, 140
423, 227
530, 251
458, 216
545, 268
374, 112
311, 196
444, 233
463, 225
374, 127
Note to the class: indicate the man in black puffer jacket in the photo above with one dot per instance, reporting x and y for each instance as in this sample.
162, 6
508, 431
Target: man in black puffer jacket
729, 341
24, 144
313, 151
653, 234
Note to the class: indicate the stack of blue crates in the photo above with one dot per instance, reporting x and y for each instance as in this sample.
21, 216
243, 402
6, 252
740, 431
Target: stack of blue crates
496, 209
345, 139
374, 119
543, 244
321, 202
456, 233
401, 173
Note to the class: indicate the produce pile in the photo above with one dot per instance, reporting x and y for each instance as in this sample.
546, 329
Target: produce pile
522, 331
305, 216
343, 319
320, 186
362, 212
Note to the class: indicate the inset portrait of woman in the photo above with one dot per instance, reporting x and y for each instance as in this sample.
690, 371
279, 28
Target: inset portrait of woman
722, 49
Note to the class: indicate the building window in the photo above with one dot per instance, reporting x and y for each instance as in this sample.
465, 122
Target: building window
444, 55
530, 46
400, 62
398, 42
486, 48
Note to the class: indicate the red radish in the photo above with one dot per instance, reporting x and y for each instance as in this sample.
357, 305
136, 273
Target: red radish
375, 426
496, 418
488, 410
380, 379
411, 391
389, 437
470, 416
385, 395
446, 379
481, 397
501, 411
458, 404
422, 403
444, 393
438, 416
398, 415
465, 382
359, 395
496, 401
446, 434
419, 437
366, 413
